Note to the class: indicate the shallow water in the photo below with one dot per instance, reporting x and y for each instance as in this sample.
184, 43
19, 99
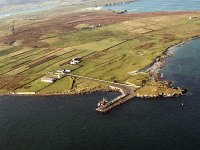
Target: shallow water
158, 5
60, 122
25, 10
24, 7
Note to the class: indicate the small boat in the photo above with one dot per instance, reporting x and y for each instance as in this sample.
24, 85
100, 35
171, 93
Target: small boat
182, 104
102, 102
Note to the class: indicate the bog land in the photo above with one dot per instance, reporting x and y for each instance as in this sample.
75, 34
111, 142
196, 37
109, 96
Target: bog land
111, 47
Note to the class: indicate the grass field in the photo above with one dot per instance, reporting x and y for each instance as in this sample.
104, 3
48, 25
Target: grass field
63, 85
109, 52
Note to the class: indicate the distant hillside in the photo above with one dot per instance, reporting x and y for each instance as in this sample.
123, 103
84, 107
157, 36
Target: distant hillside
16, 2
24, 2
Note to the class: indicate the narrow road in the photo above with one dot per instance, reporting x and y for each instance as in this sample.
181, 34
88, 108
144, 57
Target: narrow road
125, 90
99, 80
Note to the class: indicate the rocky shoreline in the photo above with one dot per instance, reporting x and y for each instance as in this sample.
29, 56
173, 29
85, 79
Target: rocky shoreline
159, 63
120, 2
153, 70
177, 92
70, 93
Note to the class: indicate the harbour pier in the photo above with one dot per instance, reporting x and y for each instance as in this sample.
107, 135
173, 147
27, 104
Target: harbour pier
126, 94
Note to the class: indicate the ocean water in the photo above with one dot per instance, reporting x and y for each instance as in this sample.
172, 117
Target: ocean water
71, 122
28, 7
157, 5
24, 10
11, 8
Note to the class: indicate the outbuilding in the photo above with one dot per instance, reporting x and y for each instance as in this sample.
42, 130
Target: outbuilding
48, 80
75, 61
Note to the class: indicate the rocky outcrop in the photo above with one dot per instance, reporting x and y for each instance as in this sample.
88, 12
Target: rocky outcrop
153, 89
178, 92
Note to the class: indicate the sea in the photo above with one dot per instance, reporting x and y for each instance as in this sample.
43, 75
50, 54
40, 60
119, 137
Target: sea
71, 122
157, 5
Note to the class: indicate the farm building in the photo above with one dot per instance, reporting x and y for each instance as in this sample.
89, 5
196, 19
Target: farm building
75, 61
192, 17
48, 80
64, 71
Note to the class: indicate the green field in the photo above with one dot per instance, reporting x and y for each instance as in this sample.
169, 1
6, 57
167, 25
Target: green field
109, 53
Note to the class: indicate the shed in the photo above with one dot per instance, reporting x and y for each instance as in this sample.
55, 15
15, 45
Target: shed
48, 80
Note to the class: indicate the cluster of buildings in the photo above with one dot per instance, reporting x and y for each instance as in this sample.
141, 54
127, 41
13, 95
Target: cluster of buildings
30, 18
53, 76
87, 26
58, 74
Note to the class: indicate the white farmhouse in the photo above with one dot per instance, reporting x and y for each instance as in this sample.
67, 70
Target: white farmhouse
48, 80
74, 61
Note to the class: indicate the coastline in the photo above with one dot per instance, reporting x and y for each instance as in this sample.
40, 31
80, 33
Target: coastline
69, 93
155, 66
88, 88
167, 53
118, 2
158, 64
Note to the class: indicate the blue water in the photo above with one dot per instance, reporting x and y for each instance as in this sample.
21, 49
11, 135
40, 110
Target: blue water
138, 6
23, 7
158, 5
26, 10
71, 122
